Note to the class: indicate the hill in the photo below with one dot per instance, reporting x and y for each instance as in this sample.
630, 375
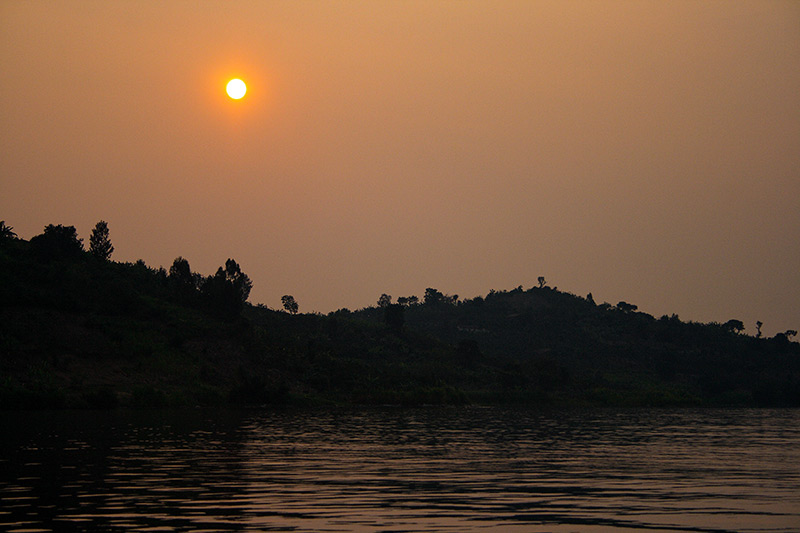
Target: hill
568, 348
80, 330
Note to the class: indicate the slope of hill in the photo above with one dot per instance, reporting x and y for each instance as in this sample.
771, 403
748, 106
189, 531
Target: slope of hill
77, 330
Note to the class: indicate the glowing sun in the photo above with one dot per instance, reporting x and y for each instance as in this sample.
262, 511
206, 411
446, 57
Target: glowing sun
236, 88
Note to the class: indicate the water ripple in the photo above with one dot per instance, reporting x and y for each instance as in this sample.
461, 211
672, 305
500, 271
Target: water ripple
393, 470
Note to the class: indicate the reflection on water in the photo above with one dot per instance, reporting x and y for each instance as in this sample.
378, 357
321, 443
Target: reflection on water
442, 469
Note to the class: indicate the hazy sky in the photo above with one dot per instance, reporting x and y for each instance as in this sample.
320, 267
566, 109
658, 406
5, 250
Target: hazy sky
642, 151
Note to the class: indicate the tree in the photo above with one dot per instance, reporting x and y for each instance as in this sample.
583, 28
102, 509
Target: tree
57, 242
183, 282
790, 333
758, 328
542, 282
385, 300
735, 326
226, 291
241, 282
219, 296
181, 272
99, 243
290, 304
6, 232
408, 300
432, 297
626, 307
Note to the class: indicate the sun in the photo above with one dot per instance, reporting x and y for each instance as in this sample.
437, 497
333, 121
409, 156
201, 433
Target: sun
236, 88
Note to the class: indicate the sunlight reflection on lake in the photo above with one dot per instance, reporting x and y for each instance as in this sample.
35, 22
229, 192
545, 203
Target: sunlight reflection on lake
387, 469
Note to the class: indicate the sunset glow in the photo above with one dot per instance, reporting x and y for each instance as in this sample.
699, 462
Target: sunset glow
280, 265
641, 151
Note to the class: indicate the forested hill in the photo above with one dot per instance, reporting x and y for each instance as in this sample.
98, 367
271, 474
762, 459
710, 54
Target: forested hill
552, 341
78, 329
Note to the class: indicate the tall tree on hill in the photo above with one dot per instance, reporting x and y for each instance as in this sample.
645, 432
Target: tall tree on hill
180, 272
182, 280
226, 291
99, 243
290, 304
239, 280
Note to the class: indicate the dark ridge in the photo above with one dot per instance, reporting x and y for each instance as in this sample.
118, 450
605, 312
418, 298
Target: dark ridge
78, 329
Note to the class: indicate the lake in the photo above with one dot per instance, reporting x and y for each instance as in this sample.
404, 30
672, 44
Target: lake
460, 469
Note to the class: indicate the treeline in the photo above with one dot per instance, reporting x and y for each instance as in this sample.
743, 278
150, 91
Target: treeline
56, 262
78, 329
550, 341
433, 299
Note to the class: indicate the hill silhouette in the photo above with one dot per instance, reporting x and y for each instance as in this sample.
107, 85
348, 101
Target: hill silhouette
80, 330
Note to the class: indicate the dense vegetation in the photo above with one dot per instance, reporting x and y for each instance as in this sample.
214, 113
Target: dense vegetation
80, 330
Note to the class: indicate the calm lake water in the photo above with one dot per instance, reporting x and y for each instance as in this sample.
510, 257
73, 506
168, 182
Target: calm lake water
385, 469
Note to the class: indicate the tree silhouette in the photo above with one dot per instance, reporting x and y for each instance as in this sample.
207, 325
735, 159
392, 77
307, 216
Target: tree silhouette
626, 307
432, 297
6, 232
758, 328
542, 282
183, 282
57, 242
99, 243
219, 295
736, 326
226, 291
408, 300
181, 272
384, 300
290, 304
240, 281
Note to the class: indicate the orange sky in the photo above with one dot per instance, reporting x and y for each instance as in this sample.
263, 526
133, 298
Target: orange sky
645, 151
